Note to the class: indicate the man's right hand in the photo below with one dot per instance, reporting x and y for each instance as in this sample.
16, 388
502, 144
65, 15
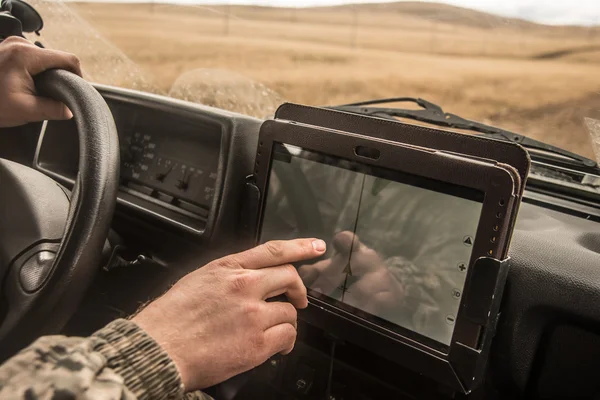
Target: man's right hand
215, 322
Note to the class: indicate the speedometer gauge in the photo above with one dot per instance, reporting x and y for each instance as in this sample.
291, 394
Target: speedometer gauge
137, 154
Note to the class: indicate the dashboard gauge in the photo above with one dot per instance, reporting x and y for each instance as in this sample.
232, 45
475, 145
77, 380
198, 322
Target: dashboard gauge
137, 154
190, 178
164, 169
170, 167
209, 188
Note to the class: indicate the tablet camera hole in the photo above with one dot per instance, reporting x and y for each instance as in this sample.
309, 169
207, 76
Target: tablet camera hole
501, 202
367, 152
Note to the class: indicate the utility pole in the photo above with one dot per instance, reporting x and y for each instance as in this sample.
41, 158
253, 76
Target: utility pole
522, 42
484, 43
354, 43
294, 14
227, 19
433, 36
594, 29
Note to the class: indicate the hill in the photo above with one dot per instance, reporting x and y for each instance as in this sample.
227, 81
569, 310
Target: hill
445, 13
388, 15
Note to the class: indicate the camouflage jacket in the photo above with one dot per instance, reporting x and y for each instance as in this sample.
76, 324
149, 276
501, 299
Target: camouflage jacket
120, 361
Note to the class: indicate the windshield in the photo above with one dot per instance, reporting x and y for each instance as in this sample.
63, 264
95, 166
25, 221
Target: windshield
527, 66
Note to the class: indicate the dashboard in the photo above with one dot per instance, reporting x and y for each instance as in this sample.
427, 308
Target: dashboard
183, 171
172, 166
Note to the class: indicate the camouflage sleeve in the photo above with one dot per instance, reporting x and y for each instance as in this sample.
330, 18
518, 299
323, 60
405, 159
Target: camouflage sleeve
120, 361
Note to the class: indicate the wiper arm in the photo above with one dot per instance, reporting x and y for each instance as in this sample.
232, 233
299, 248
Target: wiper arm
434, 114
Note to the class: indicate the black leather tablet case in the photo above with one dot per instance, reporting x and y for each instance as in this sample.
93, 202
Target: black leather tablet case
462, 367
508, 153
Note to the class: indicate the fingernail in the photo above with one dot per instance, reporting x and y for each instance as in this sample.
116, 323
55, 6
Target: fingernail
319, 245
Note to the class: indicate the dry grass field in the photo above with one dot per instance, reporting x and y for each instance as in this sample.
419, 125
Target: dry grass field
539, 80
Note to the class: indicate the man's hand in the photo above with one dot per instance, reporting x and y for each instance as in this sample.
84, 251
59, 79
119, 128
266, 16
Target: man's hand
216, 323
20, 60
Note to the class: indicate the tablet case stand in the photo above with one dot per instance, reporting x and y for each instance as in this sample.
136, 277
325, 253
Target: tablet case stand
482, 307
464, 367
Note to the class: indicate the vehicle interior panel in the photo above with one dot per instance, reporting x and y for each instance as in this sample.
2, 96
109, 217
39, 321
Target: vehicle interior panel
548, 337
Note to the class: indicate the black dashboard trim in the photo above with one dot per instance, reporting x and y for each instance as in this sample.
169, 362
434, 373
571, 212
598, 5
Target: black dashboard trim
556, 202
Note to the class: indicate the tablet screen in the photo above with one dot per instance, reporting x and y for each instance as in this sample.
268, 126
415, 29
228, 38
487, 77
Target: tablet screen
398, 245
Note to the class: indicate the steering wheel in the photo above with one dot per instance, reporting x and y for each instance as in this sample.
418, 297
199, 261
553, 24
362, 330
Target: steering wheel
51, 241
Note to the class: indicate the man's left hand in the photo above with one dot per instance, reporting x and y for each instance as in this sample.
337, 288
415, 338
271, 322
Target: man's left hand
20, 61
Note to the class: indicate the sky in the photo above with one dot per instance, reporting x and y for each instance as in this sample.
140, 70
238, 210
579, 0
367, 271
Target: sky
556, 12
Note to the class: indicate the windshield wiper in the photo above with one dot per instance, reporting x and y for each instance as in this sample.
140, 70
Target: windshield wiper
434, 114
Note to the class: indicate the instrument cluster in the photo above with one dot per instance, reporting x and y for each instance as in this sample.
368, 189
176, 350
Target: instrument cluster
169, 168
169, 163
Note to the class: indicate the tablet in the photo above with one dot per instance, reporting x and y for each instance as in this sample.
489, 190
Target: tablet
404, 228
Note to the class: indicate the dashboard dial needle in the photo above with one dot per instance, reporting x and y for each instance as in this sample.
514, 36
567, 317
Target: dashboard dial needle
185, 182
161, 176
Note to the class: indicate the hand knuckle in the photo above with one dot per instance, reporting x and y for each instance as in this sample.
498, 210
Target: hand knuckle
303, 291
258, 341
240, 282
252, 313
291, 311
211, 266
228, 262
294, 276
289, 335
15, 52
275, 248
74, 60
15, 39
291, 270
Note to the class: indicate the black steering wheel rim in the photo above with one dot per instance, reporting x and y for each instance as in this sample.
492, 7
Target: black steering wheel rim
30, 315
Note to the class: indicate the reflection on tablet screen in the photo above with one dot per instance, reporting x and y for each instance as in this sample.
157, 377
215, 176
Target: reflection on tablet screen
399, 246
